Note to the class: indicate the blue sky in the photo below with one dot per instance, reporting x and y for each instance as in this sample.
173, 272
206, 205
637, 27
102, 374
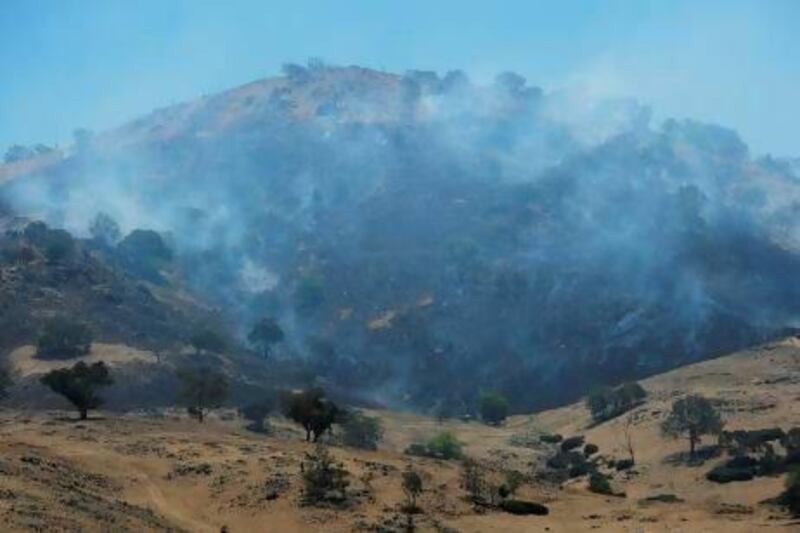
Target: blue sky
97, 63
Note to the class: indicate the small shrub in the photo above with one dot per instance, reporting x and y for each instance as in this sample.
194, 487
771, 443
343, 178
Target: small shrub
360, 431
590, 449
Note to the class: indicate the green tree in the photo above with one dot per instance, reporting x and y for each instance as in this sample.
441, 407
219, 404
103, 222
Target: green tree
494, 408
202, 389
692, 416
63, 338
265, 333
312, 410
79, 384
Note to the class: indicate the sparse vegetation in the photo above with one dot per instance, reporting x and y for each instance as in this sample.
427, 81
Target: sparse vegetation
63, 338
202, 388
361, 431
79, 384
692, 417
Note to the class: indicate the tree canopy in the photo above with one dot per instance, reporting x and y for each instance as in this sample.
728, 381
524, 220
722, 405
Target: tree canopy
79, 384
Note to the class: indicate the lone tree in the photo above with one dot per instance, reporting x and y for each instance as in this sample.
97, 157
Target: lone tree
311, 410
202, 389
494, 408
264, 334
79, 384
63, 338
693, 416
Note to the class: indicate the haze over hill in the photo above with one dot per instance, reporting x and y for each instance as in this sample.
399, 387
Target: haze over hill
404, 229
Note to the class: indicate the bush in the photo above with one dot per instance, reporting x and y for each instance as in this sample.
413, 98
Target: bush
442, 446
494, 408
63, 338
572, 443
360, 431
445, 446
790, 498
726, 474
551, 439
324, 480
607, 403
522, 507
590, 449
624, 464
599, 483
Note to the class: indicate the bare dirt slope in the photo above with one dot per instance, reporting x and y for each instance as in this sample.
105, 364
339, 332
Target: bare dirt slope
168, 473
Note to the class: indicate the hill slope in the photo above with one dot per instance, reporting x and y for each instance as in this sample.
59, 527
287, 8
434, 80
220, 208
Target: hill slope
407, 228
152, 474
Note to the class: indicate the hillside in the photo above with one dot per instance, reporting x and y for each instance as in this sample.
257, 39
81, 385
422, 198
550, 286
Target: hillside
402, 229
165, 472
